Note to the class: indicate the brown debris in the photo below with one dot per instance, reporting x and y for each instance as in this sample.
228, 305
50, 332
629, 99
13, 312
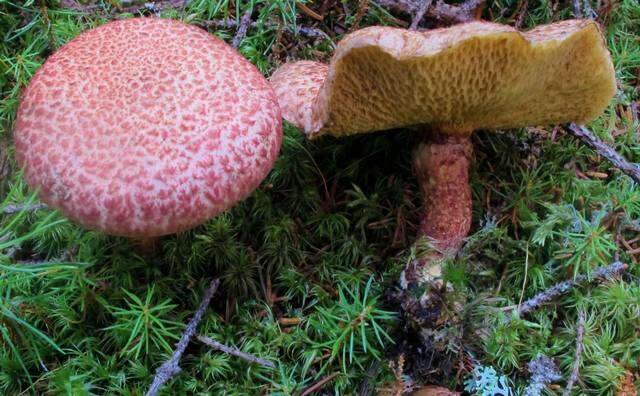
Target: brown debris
440, 11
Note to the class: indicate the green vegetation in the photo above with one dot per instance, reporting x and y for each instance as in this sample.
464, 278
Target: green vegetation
324, 240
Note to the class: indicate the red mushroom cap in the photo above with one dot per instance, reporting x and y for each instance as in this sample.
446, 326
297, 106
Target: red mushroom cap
145, 127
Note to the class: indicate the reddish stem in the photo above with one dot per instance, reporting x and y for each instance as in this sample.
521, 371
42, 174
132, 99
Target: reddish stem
442, 167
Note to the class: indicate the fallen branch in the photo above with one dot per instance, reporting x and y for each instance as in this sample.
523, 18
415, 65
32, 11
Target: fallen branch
234, 351
576, 360
171, 367
318, 385
11, 209
241, 31
599, 274
440, 11
603, 149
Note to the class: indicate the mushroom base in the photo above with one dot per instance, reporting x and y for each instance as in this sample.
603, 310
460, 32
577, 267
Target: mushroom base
441, 163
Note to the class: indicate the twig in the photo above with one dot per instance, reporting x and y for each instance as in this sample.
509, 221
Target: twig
75, 6
309, 12
11, 209
241, 31
577, 9
234, 351
318, 385
422, 9
156, 6
576, 360
171, 367
591, 140
440, 11
558, 289
303, 30
153, 6
363, 6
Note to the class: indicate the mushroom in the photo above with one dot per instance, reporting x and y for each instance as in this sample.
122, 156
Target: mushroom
449, 82
145, 127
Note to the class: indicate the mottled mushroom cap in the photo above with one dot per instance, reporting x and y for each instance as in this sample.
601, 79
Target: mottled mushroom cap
145, 127
457, 79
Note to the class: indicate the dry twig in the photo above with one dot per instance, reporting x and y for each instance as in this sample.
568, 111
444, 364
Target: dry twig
171, 367
440, 11
576, 360
422, 9
302, 30
318, 385
600, 147
155, 6
234, 351
363, 6
599, 274
241, 31
11, 209
309, 12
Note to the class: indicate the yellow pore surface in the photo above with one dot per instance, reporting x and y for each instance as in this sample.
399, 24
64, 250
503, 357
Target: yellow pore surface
469, 76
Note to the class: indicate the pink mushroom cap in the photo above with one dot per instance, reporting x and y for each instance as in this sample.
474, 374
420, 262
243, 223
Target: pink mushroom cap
145, 127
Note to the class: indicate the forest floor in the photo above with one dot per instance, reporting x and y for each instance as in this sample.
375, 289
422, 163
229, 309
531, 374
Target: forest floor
308, 262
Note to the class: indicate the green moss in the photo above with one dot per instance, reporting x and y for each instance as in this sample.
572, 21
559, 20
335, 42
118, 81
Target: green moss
327, 234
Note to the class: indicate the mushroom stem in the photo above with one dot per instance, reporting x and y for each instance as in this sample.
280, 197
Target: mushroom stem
441, 164
147, 246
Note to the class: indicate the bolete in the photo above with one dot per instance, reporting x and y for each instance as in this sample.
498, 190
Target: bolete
448, 83
145, 127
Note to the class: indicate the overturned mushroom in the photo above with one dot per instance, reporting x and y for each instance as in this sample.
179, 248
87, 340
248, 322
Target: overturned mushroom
449, 82
145, 127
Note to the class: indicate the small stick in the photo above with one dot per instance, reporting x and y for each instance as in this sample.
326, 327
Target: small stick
11, 209
576, 360
417, 18
577, 9
234, 351
171, 367
318, 385
363, 6
309, 12
156, 6
558, 289
303, 30
600, 147
241, 31
441, 11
